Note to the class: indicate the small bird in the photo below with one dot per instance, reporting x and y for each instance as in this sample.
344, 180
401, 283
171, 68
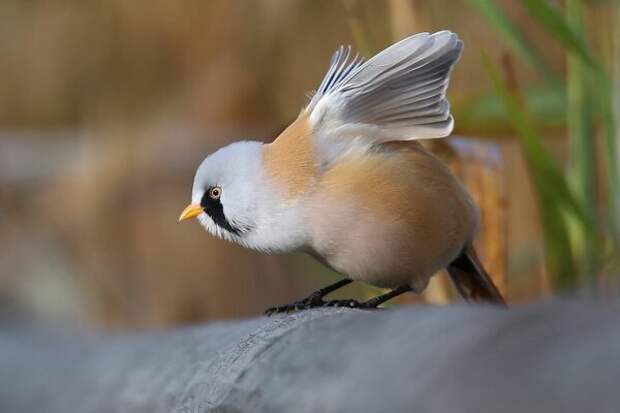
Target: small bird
348, 183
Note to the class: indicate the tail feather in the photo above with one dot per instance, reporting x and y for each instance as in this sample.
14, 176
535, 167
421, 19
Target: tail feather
471, 280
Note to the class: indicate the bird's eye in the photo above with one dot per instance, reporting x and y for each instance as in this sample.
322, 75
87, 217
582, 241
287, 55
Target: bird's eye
215, 192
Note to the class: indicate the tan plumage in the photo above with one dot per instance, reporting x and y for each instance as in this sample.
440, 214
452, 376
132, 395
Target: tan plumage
291, 161
411, 216
348, 183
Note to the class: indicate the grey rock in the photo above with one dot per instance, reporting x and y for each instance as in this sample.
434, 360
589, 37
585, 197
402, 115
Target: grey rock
550, 357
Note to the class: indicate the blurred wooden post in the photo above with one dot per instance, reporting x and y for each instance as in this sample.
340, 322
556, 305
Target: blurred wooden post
479, 166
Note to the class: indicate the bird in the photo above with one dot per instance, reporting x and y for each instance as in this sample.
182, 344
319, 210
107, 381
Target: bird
349, 183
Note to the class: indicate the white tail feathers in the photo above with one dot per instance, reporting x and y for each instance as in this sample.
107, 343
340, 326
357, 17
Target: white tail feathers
402, 90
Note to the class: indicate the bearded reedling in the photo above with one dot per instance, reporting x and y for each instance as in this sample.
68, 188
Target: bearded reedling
348, 183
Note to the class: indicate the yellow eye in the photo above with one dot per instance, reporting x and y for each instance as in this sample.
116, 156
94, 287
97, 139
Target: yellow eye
215, 192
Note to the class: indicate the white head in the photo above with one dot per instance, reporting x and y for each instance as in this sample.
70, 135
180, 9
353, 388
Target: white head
224, 194
233, 199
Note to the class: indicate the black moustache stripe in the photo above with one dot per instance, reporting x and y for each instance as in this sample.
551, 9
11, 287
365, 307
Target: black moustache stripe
214, 208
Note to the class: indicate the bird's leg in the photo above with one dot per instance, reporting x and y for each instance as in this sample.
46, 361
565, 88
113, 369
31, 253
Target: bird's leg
380, 299
314, 300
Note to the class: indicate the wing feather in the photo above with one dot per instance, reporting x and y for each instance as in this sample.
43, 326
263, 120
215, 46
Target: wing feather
399, 94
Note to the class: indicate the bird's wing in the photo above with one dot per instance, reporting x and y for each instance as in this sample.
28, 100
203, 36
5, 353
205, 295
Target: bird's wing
399, 94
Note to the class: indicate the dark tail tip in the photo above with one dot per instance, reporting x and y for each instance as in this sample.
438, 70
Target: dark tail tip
471, 280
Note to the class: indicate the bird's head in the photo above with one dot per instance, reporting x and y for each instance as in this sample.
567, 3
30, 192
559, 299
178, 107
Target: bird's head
234, 198
227, 190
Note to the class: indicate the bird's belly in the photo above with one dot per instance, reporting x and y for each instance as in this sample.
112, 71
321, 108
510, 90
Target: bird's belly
386, 254
392, 222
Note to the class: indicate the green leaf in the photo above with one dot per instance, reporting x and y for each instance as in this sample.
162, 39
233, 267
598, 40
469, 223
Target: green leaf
574, 40
553, 20
485, 111
555, 198
612, 152
582, 154
514, 37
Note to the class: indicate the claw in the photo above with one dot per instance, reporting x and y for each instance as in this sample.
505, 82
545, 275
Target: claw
312, 302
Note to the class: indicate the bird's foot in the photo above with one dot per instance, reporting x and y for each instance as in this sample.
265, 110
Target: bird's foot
313, 301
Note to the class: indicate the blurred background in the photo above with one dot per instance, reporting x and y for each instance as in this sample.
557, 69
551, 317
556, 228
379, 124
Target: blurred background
106, 109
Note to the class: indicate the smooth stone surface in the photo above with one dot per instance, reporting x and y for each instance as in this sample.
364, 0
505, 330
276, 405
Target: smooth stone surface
550, 357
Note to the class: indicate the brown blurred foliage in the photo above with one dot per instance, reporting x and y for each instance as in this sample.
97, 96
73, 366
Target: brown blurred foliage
106, 108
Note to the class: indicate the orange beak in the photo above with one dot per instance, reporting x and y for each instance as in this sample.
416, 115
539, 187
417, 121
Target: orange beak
192, 211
